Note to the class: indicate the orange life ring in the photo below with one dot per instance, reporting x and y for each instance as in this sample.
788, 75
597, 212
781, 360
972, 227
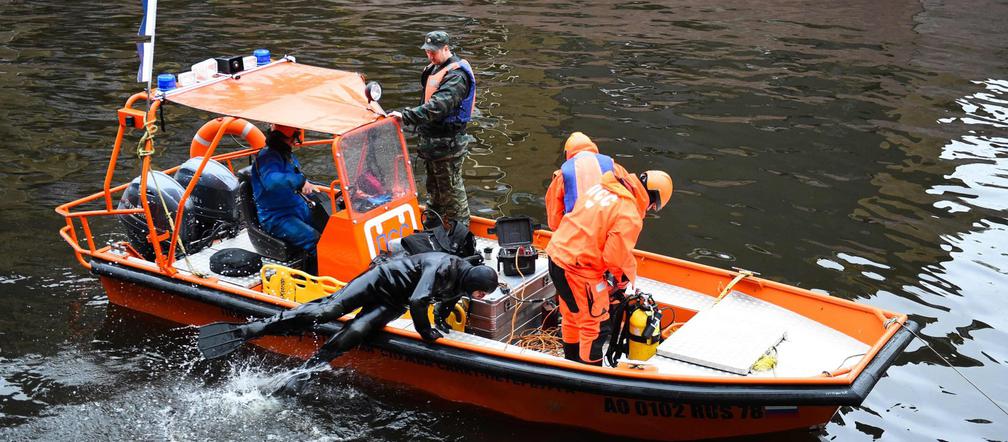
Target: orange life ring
248, 131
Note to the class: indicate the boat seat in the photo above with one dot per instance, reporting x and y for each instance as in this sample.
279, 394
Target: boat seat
263, 242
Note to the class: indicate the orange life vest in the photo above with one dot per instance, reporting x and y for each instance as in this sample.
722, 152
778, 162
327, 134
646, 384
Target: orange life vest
434, 82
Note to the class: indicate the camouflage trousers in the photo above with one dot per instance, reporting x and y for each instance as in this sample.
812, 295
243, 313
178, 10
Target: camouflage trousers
446, 190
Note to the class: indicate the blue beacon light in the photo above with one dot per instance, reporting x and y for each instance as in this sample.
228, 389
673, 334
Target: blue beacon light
165, 82
262, 56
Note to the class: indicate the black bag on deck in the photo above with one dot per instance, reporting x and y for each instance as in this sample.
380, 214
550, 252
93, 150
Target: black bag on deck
458, 241
235, 262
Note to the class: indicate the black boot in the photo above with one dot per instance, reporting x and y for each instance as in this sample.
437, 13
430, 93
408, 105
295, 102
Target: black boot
281, 324
572, 352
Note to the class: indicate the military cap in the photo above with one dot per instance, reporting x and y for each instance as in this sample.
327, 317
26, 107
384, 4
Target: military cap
435, 40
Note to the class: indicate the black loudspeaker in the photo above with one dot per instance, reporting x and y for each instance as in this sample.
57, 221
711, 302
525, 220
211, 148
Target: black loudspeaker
230, 65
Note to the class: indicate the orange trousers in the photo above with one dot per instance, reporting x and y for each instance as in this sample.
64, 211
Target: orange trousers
584, 307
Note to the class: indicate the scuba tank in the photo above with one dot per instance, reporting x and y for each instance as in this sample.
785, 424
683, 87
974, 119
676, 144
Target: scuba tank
644, 332
636, 329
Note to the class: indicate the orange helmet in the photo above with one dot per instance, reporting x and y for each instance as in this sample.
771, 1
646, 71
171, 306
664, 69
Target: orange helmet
659, 187
286, 130
291, 133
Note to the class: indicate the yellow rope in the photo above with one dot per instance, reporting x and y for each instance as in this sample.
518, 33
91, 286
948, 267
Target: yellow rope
149, 130
171, 224
766, 362
742, 274
769, 359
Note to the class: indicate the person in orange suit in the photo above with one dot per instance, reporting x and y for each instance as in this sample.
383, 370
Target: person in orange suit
598, 235
583, 168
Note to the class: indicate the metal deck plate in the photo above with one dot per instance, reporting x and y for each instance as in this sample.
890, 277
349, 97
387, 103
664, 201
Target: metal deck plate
729, 336
732, 335
674, 295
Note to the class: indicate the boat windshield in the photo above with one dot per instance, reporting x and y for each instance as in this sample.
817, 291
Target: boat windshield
377, 171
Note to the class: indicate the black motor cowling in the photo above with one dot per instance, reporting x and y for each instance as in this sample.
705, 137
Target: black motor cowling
214, 199
136, 224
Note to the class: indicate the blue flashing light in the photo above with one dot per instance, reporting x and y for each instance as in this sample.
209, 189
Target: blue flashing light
165, 82
262, 56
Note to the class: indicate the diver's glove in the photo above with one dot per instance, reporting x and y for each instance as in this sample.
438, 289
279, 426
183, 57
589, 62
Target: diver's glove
441, 312
441, 322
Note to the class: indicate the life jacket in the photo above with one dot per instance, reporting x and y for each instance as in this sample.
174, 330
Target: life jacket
585, 169
463, 113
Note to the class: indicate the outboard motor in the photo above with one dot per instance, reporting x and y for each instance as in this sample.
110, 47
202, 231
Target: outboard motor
215, 201
136, 223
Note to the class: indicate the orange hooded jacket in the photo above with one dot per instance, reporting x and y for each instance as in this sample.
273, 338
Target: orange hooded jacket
602, 230
588, 174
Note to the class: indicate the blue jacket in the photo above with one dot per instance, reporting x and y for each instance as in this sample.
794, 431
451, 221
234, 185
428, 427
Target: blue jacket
276, 184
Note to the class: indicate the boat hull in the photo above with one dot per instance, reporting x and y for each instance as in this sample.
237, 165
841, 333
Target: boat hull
557, 398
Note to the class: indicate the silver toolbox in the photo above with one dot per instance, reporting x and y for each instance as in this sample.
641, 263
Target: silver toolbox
492, 316
494, 320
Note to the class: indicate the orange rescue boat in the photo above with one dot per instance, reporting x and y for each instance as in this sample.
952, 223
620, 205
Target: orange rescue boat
709, 378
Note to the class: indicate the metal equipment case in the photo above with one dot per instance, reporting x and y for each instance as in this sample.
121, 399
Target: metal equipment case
520, 303
516, 256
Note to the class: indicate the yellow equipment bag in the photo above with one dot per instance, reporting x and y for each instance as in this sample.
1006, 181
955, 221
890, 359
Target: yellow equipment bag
298, 286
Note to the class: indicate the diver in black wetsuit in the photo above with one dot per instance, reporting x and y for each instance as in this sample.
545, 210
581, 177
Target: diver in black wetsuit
383, 293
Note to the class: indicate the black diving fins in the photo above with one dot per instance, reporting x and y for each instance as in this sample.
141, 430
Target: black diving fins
220, 339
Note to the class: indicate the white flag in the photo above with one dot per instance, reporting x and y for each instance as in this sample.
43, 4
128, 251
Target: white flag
145, 50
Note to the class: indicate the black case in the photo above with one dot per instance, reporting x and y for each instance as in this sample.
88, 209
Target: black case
523, 265
516, 255
230, 65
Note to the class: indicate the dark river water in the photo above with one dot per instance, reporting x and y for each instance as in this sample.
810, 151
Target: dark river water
858, 148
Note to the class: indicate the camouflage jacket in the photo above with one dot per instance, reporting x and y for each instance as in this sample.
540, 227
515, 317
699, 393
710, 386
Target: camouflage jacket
427, 118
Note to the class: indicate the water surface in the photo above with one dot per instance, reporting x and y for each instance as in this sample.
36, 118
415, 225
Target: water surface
860, 149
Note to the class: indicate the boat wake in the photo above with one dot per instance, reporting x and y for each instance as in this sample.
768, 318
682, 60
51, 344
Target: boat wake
292, 382
151, 397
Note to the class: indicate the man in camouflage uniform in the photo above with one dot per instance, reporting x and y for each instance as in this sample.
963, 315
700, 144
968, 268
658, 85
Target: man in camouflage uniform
440, 120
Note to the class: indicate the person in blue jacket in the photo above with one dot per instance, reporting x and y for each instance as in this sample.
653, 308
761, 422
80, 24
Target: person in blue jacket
278, 186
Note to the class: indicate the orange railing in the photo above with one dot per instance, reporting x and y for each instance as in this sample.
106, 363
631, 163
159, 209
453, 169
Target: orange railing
73, 213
